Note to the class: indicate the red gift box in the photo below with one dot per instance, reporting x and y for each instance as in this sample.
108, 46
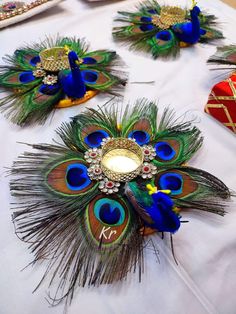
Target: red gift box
222, 102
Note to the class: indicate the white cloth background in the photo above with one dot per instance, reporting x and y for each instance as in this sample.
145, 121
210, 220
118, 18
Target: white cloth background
205, 280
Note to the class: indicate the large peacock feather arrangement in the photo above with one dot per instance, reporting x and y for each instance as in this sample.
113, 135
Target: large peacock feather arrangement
55, 74
86, 205
163, 30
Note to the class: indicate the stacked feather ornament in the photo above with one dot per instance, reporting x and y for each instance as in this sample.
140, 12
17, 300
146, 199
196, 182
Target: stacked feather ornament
221, 103
85, 206
56, 74
163, 30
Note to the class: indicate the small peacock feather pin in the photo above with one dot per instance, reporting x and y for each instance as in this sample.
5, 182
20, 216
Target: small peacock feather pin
56, 74
163, 30
85, 206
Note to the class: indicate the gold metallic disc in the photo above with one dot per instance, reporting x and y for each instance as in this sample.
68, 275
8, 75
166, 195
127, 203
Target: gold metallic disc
169, 16
54, 59
122, 159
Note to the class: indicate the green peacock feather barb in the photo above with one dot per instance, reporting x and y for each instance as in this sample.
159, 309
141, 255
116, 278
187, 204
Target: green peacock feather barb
86, 205
225, 55
163, 30
56, 73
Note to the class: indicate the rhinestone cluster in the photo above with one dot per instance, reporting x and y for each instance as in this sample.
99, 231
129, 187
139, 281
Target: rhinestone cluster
13, 8
149, 152
93, 156
39, 73
48, 79
148, 170
109, 187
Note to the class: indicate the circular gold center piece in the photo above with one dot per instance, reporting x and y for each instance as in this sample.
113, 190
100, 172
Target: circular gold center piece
122, 159
54, 59
169, 16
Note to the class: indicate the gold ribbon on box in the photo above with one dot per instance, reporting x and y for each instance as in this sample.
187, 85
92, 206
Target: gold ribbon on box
219, 102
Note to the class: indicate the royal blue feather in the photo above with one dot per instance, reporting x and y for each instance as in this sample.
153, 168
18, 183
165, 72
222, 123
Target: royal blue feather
162, 214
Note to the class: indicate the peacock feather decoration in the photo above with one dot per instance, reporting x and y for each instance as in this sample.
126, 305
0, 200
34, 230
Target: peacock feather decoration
225, 56
163, 30
56, 73
86, 205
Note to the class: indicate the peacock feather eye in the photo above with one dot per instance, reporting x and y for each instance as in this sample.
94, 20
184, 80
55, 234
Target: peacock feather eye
76, 177
35, 60
89, 60
26, 77
69, 178
146, 19
171, 181
164, 35
146, 27
109, 212
49, 89
141, 137
164, 151
152, 11
94, 139
107, 220
89, 77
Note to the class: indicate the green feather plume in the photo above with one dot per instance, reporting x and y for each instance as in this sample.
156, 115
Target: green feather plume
225, 55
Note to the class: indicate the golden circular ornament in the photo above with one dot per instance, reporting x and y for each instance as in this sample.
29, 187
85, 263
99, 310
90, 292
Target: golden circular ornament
169, 16
121, 159
54, 59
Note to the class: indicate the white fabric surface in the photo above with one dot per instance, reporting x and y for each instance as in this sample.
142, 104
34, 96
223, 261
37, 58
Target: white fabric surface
205, 280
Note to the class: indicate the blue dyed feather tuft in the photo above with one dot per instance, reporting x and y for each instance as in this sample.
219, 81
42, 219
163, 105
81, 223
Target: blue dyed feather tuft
73, 83
189, 32
162, 214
